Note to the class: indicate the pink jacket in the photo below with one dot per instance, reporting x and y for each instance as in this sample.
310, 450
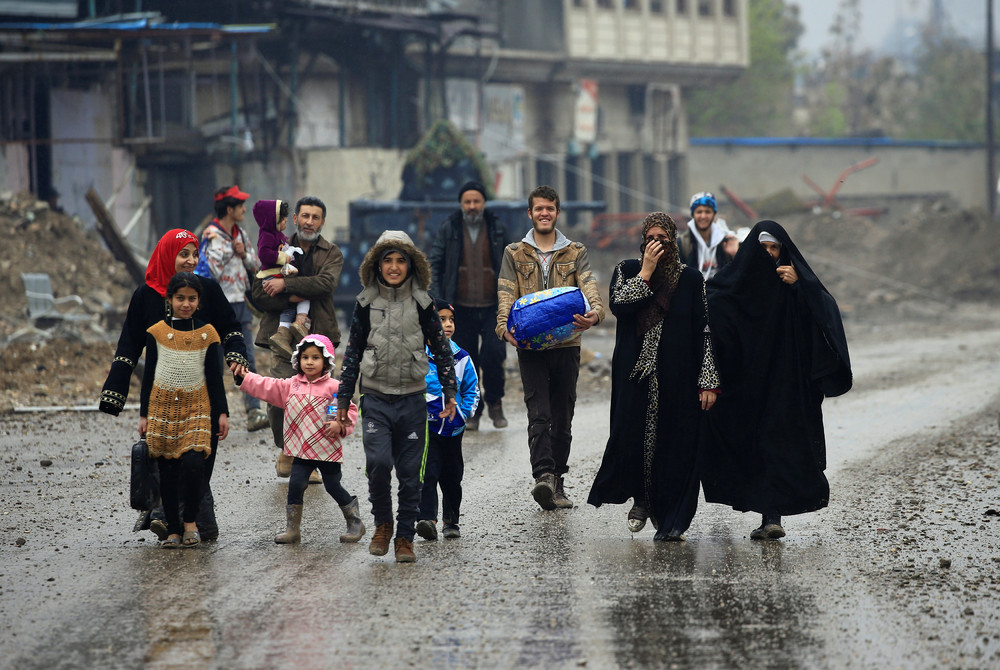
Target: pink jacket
305, 406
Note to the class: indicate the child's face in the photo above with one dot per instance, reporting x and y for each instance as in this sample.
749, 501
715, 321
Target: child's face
311, 362
394, 269
282, 222
184, 302
447, 321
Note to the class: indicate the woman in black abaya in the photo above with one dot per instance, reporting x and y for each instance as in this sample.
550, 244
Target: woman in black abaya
780, 346
663, 376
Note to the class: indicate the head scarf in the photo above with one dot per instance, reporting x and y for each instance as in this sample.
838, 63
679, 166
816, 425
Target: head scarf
668, 271
323, 343
163, 263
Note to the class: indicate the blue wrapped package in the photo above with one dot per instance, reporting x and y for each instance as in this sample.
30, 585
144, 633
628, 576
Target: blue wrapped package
544, 319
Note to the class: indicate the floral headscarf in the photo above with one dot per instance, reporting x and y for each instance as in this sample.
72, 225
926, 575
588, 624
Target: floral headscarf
668, 271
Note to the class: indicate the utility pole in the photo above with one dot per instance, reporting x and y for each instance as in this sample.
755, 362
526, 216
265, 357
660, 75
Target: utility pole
991, 185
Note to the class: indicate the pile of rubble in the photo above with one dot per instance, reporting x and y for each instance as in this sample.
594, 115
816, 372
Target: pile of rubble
38, 239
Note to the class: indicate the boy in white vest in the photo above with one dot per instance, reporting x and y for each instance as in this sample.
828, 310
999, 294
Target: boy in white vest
393, 317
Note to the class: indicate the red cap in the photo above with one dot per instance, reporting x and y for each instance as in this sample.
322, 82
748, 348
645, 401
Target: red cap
232, 192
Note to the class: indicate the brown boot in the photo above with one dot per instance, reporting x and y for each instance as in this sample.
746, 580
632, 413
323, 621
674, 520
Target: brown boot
284, 465
379, 545
315, 477
559, 497
496, 414
300, 330
293, 513
281, 342
404, 551
355, 528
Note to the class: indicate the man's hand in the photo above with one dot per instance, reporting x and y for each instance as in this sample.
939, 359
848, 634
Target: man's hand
585, 321
509, 336
273, 287
239, 248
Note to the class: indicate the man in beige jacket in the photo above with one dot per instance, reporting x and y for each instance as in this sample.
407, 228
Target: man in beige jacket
545, 258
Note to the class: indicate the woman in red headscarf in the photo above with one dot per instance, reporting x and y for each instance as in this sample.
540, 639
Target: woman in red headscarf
177, 251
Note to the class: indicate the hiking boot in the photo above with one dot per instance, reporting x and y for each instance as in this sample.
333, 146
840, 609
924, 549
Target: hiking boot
404, 550
427, 529
284, 465
451, 531
256, 420
544, 491
293, 520
472, 423
281, 342
355, 527
559, 496
496, 414
379, 546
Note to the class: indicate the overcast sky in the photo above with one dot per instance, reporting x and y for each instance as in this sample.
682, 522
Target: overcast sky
879, 17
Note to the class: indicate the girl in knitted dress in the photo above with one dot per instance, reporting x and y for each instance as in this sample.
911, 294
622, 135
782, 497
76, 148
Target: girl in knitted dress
311, 435
181, 385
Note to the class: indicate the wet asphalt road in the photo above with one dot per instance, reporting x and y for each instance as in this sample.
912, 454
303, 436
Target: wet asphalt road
522, 587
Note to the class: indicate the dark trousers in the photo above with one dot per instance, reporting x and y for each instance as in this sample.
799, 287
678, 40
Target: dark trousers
395, 435
181, 482
299, 480
281, 368
549, 380
445, 467
475, 331
206, 509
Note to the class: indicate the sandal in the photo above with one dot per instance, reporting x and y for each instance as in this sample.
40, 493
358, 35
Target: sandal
191, 538
170, 543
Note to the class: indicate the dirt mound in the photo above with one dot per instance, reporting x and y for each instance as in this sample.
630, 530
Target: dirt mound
38, 239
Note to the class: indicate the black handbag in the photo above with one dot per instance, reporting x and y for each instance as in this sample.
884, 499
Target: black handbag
144, 490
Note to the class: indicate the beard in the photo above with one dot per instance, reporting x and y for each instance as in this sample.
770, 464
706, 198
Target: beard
309, 236
472, 218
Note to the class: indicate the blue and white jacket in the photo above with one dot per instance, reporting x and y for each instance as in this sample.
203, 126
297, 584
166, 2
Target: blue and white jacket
467, 398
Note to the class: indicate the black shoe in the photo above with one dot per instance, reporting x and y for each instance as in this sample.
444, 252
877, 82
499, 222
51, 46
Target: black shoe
451, 531
159, 528
637, 518
672, 536
544, 491
144, 520
427, 529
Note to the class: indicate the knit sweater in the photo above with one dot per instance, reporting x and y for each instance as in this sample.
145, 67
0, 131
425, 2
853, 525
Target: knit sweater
305, 405
181, 385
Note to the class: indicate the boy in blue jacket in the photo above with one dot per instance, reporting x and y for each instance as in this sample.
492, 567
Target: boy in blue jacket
445, 465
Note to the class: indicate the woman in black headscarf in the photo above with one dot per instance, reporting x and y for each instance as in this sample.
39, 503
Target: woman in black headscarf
663, 375
780, 346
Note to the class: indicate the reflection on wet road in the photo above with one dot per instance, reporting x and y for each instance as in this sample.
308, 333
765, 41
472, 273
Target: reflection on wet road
521, 588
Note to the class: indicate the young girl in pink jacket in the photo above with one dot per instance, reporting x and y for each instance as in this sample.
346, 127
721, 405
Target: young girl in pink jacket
311, 437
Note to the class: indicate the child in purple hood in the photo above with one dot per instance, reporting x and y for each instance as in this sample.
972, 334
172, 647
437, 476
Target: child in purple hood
276, 261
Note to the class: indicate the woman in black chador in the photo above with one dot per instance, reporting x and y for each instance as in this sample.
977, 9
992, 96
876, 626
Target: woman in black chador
663, 376
780, 346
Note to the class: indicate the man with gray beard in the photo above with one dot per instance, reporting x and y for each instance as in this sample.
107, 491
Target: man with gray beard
465, 260
319, 273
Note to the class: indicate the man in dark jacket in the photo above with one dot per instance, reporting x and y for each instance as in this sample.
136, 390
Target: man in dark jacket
465, 261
